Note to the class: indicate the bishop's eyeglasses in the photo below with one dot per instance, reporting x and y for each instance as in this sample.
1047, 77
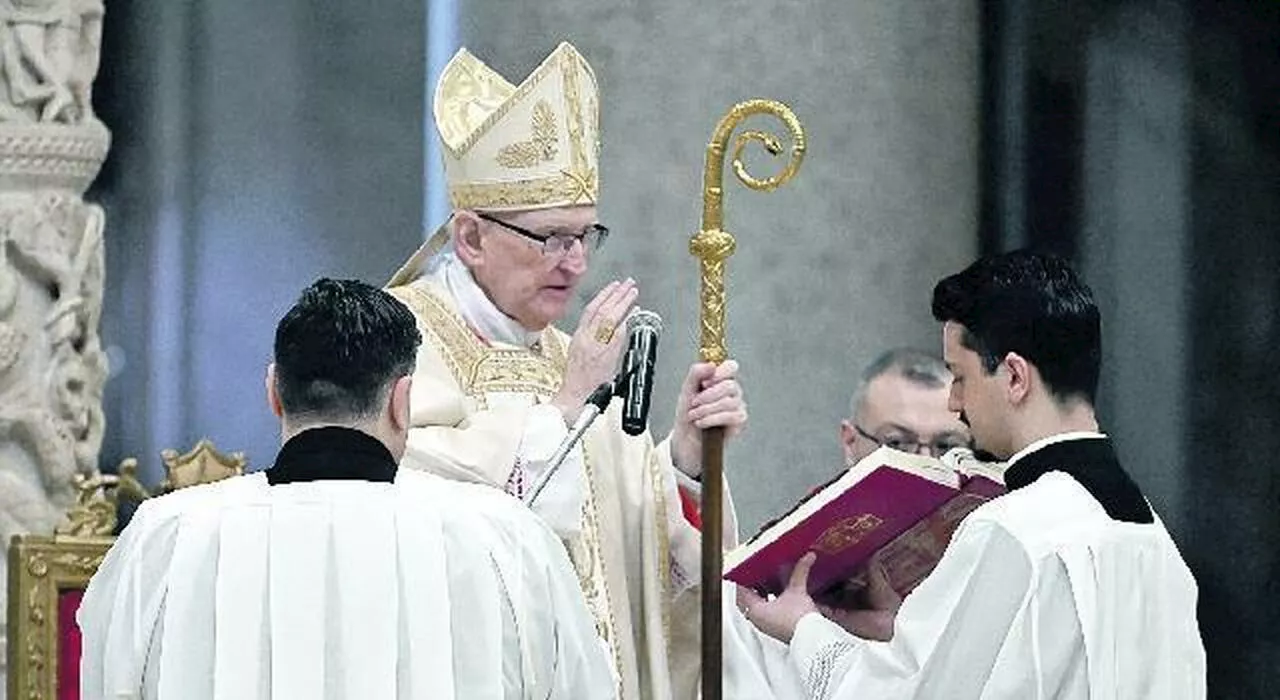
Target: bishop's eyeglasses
556, 243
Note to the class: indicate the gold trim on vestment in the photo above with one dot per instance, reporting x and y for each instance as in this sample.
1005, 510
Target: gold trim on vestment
595, 587
664, 542
479, 369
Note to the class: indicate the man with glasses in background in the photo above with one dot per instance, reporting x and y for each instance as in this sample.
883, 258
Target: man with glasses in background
497, 386
901, 402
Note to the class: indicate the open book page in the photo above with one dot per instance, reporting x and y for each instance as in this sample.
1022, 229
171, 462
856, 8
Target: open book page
989, 476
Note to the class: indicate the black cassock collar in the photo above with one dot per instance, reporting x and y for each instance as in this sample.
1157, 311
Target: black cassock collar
332, 453
1091, 462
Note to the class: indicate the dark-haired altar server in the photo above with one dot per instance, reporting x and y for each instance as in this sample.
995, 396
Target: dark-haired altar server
334, 574
1066, 588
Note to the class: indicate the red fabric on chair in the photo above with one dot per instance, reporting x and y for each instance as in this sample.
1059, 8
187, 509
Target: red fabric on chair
69, 644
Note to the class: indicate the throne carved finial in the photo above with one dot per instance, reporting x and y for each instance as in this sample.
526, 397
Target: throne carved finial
202, 465
98, 500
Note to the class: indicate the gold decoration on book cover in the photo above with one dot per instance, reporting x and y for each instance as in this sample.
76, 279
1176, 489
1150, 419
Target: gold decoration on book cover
847, 532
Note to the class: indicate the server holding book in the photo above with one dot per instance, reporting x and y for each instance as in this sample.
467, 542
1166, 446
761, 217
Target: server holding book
1069, 586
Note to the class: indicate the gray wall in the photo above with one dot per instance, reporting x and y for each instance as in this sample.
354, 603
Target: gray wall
1135, 179
830, 269
257, 146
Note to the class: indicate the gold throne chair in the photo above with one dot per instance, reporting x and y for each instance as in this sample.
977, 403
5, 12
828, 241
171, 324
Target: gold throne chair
48, 573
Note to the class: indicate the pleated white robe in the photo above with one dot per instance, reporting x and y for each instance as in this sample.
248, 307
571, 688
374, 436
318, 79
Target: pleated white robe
353, 590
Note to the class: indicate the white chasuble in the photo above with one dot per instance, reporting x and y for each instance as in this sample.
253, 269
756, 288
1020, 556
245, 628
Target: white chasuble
480, 414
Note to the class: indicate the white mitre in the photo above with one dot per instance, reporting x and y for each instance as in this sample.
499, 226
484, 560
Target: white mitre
508, 147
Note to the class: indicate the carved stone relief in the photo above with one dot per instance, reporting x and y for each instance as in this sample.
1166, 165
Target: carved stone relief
52, 366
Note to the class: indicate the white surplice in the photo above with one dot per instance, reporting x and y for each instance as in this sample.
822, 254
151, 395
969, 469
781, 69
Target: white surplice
481, 414
1040, 595
353, 590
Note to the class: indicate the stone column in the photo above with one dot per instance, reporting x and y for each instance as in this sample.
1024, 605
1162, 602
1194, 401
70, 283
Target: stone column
52, 367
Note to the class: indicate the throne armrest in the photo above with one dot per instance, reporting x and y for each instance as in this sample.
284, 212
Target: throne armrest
47, 577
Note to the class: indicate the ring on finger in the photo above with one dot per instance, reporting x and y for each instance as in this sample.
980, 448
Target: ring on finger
605, 331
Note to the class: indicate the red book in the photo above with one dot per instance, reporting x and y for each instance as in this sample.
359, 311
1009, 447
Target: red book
905, 506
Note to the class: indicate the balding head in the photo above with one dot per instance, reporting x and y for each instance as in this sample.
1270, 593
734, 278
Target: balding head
901, 401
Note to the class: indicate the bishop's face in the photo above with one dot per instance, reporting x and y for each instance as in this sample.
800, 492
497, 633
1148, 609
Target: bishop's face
979, 396
529, 285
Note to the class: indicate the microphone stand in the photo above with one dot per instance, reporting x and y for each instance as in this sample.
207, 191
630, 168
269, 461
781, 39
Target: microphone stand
595, 405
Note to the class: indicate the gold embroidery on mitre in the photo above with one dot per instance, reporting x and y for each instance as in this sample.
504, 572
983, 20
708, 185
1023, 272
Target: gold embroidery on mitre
573, 97
565, 188
530, 146
539, 149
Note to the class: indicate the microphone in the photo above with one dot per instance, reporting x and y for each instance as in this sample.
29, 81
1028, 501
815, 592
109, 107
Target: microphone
643, 329
596, 403
634, 384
